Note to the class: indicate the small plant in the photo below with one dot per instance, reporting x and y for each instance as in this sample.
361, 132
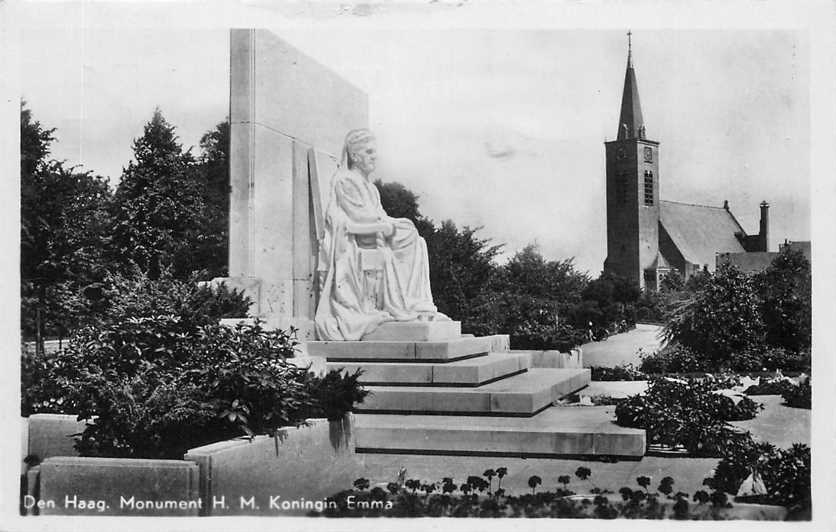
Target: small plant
533, 482
406, 501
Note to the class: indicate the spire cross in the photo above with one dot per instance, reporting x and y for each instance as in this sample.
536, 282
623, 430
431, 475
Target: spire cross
630, 47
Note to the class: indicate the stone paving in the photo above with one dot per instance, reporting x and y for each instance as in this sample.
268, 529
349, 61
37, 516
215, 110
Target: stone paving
622, 348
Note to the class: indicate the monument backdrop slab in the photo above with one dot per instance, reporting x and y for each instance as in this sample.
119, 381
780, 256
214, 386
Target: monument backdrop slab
283, 105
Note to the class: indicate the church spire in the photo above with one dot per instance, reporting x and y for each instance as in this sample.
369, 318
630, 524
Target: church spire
630, 123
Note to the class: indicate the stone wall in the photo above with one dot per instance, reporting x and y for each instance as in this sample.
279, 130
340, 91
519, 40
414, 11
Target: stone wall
278, 476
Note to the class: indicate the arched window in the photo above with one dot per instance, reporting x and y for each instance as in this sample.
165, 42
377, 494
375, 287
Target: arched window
648, 187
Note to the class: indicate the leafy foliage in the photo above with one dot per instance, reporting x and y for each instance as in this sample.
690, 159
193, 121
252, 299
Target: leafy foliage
721, 319
785, 300
688, 413
160, 375
799, 396
461, 267
159, 212
64, 224
621, 372
674, 358
785, 474
211, 247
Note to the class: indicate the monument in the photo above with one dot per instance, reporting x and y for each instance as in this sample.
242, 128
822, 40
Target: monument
287, 115
312, 246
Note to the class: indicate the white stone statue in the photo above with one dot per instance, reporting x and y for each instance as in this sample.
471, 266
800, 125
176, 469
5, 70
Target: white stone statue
375, 267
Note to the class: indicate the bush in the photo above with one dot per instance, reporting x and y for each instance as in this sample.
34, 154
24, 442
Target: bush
686, 413
769, 387
778, 358
722, 318
160, 384
785, 474
623, 372
194, 304
798, 396
674, 358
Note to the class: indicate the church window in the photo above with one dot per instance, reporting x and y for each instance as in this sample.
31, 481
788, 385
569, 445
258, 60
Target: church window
648, 187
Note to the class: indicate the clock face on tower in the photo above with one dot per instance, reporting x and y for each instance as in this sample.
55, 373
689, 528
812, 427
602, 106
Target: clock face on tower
621, 153
648, 154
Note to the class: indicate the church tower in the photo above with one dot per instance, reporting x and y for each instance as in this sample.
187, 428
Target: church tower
632, 192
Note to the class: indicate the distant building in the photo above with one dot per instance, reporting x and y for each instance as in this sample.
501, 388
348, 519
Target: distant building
755, 262
648, 237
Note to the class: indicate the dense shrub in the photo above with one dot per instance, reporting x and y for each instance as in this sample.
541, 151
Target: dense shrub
773, 358
674, 358
798, 396
769, 387
784, 289
158, 384
476, 498
687, 413
623, 372
195, 304
721, 319
785, 474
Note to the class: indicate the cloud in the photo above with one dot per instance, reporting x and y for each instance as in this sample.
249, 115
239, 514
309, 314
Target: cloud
501, 151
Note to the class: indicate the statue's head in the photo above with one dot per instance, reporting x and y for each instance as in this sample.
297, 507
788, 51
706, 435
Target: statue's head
360, 150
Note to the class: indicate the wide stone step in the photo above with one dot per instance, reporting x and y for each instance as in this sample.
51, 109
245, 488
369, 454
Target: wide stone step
415, 331
521, 395
466, 372
374, 351
555, 432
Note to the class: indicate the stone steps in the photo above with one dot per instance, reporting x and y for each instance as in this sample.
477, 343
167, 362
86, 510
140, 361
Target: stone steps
568, 432
437, 391
464, 372
523, 394
397, 351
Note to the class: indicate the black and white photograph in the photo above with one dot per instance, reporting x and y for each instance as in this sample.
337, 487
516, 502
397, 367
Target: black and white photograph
287, 263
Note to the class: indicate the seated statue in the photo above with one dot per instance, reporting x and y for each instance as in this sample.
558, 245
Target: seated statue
373, 268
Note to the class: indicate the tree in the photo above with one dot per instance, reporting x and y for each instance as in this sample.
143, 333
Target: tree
159, 209
786, 306
400, 202
461, 266
212, 251
722, 318
64, 223
531, 298
461, 263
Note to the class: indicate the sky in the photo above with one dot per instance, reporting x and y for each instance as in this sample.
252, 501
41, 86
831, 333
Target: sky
497, 128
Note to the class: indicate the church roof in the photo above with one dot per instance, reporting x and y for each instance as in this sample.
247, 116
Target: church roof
631, 109
700, 231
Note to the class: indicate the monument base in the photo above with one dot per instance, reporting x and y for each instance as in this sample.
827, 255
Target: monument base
415, 331
435, 391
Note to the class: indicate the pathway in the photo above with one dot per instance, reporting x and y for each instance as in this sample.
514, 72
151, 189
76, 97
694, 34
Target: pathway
622, 348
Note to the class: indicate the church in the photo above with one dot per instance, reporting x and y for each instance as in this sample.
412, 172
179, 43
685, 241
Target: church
648, 237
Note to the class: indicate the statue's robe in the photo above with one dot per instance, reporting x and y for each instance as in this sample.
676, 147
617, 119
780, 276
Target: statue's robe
405, 284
